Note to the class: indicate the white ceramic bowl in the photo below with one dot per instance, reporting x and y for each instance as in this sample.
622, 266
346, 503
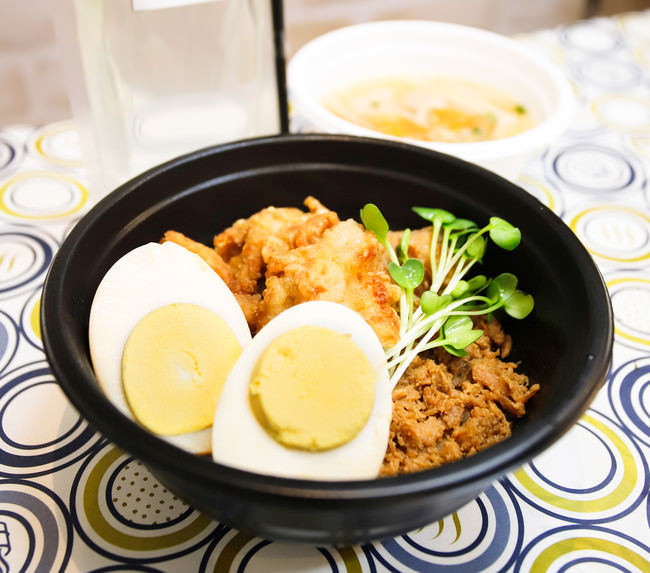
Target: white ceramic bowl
397, 48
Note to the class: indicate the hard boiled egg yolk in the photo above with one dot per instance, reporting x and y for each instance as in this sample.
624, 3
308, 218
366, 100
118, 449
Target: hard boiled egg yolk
312, 389
174, 365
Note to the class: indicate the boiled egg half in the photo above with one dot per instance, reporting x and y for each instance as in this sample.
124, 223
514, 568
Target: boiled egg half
308, 398
164, 333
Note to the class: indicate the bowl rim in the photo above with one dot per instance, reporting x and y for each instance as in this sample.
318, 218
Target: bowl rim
500, 458
558, 120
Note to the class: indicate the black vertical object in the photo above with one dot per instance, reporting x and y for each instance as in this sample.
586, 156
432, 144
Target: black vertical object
280, 64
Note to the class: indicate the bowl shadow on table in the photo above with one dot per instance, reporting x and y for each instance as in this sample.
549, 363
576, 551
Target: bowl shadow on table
565, 345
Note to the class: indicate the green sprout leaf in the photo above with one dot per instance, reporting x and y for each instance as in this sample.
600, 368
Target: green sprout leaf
444, 317
476, 249
460, 289
459, 333
476, 283
504, 234
462, 225
502, 287
374, 221
454, 351
519, 304
430, 302
414, 270
403, 247
444, 217
409, 275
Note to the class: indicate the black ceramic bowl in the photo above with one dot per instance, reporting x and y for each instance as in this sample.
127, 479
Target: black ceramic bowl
565, 345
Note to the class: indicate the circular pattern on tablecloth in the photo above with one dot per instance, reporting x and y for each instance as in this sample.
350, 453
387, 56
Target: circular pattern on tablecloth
30, 392
121, 511
8, 340
597, 37
30, 316
35, 528
629, 396
485, 534
42, 196
596, 473
641, 145
613, 233
635, 26
232, 550
630, 296
565, 548
544, 191
25, 255
130, 568
623, 112
10, 155
56, 143
594, 169
642, 53
615, 74
585, 124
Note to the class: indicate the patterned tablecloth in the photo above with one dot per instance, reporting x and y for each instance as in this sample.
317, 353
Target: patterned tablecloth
69, 500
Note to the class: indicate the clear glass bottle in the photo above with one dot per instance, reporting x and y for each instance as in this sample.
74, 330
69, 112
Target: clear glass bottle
153, 79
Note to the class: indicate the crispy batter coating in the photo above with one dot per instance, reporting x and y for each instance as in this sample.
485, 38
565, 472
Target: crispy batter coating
249, 302
281, 256
209, 255
248, 242
347, 266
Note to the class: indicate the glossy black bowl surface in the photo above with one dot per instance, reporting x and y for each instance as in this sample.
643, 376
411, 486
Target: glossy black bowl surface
565, 345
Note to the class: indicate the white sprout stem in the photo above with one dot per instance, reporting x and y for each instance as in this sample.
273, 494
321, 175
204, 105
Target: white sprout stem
448, 265
397, 374
466, 245
461, 271
434, 247
426, 325
396, 353
403, 311
417, 330
403, 302
409, 320
416, 315
391, 252
442, 269
407, 350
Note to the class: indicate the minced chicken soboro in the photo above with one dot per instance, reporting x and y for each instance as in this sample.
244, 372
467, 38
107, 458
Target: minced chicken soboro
447, 407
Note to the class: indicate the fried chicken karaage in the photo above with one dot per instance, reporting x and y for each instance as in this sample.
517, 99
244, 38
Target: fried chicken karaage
282, 256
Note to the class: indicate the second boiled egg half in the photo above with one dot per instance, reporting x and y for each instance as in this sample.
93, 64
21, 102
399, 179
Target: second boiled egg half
164, 332
308, 398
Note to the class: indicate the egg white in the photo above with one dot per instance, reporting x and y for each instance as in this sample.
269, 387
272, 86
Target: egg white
238, 440
149, 277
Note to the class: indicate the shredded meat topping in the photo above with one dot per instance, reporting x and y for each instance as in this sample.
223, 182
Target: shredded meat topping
447, 407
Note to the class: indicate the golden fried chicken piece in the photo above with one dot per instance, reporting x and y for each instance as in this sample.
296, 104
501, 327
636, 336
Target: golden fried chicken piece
247, 242
249, 303
281, 256
346, 265
209, 255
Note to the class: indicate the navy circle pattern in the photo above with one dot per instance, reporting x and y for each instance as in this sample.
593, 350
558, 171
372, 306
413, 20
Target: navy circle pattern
25, 256
32, 386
